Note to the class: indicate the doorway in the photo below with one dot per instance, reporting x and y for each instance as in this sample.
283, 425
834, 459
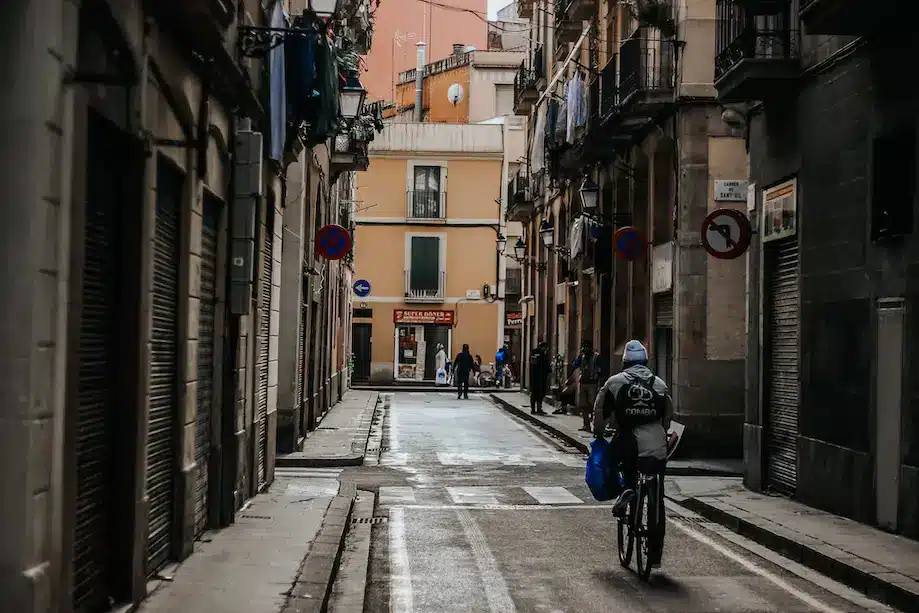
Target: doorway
361, 343
434, 335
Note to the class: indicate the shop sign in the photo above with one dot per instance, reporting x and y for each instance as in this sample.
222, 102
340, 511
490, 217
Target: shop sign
780, 211
421, 316
513, 319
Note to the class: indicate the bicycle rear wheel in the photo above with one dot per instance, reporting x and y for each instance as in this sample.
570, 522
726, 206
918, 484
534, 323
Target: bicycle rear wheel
644, 522
626, 535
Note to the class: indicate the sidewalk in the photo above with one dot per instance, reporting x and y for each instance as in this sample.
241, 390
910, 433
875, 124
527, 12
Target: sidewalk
430, 387
341, 437
883, 566
568, 429
293, 530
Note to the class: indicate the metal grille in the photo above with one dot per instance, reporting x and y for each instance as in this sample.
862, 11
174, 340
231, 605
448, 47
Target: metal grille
206, 336
161, 433
264, 331
663, 310
301, 358
96, 355
783, 388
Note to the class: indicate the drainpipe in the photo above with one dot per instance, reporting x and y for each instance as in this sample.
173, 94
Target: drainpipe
419, 79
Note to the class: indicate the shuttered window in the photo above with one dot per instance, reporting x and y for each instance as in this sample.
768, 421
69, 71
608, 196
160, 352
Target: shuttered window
425, 263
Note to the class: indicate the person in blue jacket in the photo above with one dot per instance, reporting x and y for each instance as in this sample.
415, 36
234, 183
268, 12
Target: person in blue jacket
500, 361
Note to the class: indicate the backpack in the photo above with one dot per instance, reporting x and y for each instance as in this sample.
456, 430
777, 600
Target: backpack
500, 356
638, 403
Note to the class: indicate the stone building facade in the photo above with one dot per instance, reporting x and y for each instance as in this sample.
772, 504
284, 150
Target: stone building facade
831, 417
652, 143
143, 352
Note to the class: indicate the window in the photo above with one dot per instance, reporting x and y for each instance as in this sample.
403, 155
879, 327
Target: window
504, 100
893, 192
426, 193
424, 276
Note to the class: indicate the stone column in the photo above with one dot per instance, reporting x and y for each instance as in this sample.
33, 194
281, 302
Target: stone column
37, 39
291, 295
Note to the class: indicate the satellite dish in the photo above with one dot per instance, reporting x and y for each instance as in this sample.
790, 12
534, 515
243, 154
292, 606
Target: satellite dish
455, 94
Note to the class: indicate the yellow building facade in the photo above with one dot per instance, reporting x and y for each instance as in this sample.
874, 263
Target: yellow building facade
429, 211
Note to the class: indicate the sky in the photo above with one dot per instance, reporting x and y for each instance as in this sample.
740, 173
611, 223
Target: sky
494, 5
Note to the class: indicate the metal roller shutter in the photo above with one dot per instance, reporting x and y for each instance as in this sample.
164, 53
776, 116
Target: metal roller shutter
264, 331
663, 310
162, 430
783, 394
206, 333
95, 396
301, 345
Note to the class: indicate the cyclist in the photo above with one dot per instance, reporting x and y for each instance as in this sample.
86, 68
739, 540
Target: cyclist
638, 405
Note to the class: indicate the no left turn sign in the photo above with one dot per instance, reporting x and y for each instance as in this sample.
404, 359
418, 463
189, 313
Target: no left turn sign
726, 234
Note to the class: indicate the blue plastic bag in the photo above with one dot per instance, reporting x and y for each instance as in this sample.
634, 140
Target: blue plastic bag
601, 477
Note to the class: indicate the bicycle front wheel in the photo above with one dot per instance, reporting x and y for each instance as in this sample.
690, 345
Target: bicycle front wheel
643, 526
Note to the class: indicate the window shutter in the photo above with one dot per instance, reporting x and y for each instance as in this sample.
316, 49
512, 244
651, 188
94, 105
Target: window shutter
425, 259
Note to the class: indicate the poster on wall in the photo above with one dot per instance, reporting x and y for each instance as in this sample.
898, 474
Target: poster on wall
780, 211
513, 320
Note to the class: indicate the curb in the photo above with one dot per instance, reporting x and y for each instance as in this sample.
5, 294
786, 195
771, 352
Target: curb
431, 388
358, 447
874, 581
313, 586
585, 449
349, 589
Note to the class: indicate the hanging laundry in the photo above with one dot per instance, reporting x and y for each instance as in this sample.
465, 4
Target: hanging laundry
583, 100
571, 99
538, 148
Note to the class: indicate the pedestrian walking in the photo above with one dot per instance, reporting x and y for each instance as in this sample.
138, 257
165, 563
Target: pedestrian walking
592, 371
462, 369
500, 360
539, 376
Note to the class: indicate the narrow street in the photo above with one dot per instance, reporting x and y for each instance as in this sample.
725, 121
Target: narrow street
484, 513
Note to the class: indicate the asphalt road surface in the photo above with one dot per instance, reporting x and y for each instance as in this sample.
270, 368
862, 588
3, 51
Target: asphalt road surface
481, 512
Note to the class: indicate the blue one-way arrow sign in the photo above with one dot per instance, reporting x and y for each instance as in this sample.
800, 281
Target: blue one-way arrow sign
361, 288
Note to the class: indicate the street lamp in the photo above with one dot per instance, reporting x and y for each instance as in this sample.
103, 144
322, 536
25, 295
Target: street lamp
547, 233
590, 194
323, 8
352, 97
520, 248
502, 242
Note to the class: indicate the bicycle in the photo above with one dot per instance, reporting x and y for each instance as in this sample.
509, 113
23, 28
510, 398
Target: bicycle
641, 527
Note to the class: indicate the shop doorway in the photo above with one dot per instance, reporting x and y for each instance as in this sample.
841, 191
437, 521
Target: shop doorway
434, 335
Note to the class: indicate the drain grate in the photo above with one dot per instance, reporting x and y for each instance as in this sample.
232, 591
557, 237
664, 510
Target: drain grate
384, 448
255, 516
369, 520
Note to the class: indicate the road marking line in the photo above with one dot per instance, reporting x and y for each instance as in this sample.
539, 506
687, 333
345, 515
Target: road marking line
388, 458
400, 576
517, 460
396, 494
393, 431
416, 393
452, 459
505, 507
473, 494
496, 592
753, 568
552, 495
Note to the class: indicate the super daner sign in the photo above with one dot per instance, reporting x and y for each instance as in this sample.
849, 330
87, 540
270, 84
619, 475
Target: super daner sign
404, 316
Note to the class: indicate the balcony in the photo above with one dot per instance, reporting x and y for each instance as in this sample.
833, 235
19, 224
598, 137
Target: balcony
646, 70
425, 205
525, 93
521, 200
609, 89
577, 10
757, 57
846, 17
567, 29
420, 288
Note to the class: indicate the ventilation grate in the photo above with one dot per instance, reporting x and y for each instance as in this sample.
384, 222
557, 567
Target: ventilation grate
369, 520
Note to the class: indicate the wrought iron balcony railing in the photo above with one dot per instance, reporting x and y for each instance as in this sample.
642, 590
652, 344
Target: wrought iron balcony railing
646, 63
422, 288
426, 204
743, 35
608, 88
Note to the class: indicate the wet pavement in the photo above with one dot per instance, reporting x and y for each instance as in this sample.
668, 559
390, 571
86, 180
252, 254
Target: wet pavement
479, 511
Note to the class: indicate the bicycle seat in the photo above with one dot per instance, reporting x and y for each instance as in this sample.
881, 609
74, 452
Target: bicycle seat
650, 466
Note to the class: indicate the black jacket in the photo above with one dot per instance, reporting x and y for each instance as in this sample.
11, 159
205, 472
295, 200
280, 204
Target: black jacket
463, 362
539, 365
